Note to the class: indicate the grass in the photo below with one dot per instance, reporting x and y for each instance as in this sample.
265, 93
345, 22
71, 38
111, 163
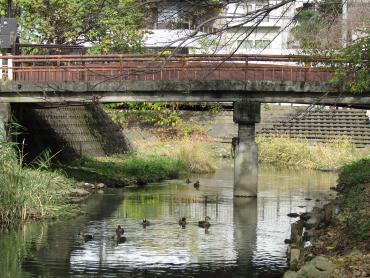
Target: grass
300, 153
349, 227
139, 167
355, 173
354, 199
194, 155
27, 192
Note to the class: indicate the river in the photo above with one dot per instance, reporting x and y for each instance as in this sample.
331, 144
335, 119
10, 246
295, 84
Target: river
246, 237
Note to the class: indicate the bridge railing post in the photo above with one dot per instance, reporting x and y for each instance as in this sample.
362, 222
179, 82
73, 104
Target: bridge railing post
1, 66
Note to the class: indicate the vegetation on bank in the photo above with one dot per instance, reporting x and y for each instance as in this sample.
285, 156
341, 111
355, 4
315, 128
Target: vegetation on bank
354, 202
300, 153
191, 153
125, 170
340, 231
27, 192
346, 239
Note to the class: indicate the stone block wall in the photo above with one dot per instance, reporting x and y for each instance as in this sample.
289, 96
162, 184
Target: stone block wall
70, 130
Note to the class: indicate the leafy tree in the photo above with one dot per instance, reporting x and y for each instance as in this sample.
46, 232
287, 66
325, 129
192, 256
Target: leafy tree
319, 31
107, 25
354, 71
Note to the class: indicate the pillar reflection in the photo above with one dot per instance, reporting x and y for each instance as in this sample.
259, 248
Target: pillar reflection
245, 229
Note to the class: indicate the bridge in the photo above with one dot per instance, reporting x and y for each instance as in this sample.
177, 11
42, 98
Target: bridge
182, 78
246, 80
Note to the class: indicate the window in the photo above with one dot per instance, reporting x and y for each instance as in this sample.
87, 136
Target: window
245, 44
249, 8
262, 43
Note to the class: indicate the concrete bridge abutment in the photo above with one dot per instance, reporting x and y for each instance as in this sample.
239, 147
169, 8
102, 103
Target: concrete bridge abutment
5, 112
246, 114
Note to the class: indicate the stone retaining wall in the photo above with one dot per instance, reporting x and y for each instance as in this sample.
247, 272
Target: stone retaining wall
71, 130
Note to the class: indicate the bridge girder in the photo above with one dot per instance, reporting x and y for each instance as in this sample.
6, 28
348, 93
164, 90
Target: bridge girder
179, 91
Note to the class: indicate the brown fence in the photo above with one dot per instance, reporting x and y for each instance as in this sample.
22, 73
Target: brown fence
180, 67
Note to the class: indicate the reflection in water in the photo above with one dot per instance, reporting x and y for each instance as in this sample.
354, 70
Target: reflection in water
245, 238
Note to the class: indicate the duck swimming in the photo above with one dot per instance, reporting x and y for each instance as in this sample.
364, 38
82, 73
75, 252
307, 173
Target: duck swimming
145, 223
121, 239
196, 184
204, 223
119, 231
85, 237
182, 222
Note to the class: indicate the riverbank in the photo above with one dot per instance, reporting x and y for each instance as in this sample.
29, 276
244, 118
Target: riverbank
337, 237
31, 192
157, 138
59, 187
121, 171
280, 152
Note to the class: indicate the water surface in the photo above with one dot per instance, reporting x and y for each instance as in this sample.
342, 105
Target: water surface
246, 237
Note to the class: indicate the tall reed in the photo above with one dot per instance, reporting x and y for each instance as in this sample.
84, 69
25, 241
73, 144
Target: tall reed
196, 157
26, 192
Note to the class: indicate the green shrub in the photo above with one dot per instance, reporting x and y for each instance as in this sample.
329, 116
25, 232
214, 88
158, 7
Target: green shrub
355, 173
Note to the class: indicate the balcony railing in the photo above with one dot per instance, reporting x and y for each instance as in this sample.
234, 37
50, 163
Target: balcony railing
181, 26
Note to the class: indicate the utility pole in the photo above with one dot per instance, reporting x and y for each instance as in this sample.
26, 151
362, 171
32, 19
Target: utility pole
345, 22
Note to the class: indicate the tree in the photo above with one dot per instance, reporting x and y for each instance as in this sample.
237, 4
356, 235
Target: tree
107, 25
318, 30
353, 71
316, 25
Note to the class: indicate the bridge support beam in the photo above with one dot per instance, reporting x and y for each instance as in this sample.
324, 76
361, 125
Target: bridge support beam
246, 114
4, 119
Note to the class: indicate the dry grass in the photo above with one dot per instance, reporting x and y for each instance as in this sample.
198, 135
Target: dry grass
197, 157
192, 153
300, 153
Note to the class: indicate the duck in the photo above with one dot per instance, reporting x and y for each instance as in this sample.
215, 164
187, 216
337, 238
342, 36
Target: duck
85, 237
182, 222
145, 223
119, 231
204, 223
196, 184
120, 238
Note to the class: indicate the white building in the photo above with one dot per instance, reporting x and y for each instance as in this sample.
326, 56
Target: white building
258, 32
271, 36
168, 28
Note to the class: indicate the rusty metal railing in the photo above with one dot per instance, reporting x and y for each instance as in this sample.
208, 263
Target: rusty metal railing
180, 67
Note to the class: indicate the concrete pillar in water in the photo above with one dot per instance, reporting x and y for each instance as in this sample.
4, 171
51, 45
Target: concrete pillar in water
4, 119
246, 114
